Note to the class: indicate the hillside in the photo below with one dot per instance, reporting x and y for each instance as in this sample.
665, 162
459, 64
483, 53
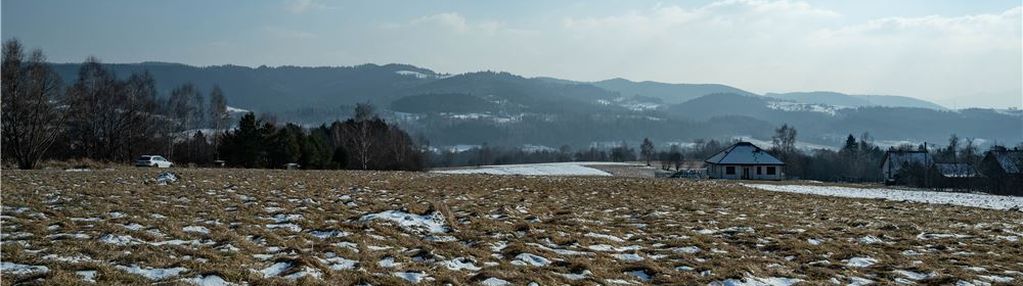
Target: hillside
846, 100
669, 93
508, 109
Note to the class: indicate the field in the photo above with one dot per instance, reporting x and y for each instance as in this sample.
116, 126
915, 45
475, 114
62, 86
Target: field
262, 227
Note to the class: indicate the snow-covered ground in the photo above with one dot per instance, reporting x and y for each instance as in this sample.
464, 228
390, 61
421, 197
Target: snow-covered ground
541, 169
930, 197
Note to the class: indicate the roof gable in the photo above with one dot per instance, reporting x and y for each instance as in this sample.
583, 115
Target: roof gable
1009, 160
743, 153
896, 159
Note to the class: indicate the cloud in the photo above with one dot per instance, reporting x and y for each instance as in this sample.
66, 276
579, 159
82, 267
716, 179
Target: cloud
760, 45
980, 32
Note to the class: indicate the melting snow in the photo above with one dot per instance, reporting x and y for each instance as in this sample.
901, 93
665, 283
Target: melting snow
196, 229
121, 240
325, 234
22, 269
530, 259
543, 169
915, 276
152, 273
432, 223
208, 280
757, 281
641, 274
687, 249
605, 236
962, 199
495, 282
575, 276
459, 263
87, 275
629, 257
860, 262
339, 263
289, 226
414, 277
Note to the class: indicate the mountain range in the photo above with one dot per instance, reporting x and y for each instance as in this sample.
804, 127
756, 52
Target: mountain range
507, 109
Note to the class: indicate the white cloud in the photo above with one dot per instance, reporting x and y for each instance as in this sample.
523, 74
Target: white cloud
759, 45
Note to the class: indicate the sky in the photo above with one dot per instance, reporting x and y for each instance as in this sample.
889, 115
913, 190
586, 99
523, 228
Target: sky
956, 53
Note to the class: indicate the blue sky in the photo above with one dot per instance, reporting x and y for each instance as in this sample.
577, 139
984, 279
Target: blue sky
956, 53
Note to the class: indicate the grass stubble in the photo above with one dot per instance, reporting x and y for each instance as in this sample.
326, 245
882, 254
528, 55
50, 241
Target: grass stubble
595, 230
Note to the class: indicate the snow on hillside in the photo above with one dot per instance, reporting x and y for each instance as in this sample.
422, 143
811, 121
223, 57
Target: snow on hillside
930, 197
542, 169
806, 107
799, 145
413, 73
231, 109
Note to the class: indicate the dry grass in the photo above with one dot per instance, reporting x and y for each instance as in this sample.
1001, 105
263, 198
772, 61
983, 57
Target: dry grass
740, 232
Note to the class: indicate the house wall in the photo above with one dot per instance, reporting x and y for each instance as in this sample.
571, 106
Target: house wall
720, 172
888, 174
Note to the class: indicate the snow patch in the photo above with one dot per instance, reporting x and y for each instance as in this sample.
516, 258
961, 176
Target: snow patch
152, 273
542, 169
22, 269
421, 224
860, 262
961, 199
530, 259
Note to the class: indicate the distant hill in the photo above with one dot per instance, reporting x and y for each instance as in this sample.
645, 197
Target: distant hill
669, 93
506, 109
846, 100
278, 89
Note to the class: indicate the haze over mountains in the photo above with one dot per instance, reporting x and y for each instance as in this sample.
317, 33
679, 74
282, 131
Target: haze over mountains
506, 109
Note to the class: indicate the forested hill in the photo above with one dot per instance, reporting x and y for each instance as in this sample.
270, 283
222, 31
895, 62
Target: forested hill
503, 108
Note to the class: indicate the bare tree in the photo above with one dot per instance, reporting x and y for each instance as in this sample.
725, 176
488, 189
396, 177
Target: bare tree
647, 150
218, 109
139, 110
185, 106
361, 137
31, 121
784, 138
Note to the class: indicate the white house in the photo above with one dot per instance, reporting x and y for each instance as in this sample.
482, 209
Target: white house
744, 161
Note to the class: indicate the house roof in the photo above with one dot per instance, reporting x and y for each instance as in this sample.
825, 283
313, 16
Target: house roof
956, 170
898, 158
1009, 160
743, 153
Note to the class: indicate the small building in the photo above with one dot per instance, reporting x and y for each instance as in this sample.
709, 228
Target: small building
895, 160
1004, 171
745, 161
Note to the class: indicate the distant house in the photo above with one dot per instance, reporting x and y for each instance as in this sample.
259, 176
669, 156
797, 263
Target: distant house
955, 175
895, 160
1004, 170
744, 161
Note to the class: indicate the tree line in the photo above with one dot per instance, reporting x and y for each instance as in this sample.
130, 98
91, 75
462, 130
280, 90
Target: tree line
364, 142
102, 117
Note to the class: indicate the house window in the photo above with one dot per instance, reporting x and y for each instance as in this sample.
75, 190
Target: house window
770, 171
758, 170
729, 170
